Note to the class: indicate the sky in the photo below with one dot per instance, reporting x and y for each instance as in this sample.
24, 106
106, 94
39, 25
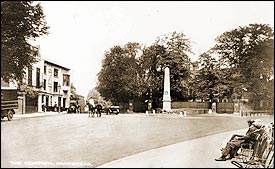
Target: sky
82, 31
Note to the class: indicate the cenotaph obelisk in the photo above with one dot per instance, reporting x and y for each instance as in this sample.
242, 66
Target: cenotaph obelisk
166, 93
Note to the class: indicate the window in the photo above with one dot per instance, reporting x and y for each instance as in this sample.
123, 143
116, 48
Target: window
37, 77
45, 84
55, 84
59, 101
66, 80
45, 70
30, 77
55, 72
64, 102
50, 71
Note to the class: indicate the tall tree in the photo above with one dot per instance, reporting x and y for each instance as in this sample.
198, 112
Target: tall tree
204, 83
177, 47
248, 53
150, 73
21, 22
117, 79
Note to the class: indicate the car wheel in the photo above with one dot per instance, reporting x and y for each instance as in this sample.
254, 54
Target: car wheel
10, 114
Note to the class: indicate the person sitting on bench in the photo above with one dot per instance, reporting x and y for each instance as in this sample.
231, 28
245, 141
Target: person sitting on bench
237, 140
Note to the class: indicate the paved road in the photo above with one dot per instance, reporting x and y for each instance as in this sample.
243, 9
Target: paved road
196, 153
74, 140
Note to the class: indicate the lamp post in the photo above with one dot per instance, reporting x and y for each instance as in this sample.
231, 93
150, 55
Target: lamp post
59, 101
150, 93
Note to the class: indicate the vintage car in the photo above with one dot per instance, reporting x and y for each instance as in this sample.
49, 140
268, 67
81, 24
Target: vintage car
72, 107
113, 110
9, 102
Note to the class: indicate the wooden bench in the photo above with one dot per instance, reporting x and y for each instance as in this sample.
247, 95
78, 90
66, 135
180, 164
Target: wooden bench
261, 153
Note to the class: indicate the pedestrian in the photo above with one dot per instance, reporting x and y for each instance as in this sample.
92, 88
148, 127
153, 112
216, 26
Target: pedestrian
237, 140
77, 107
43, 107
99, 109
92, 107
55, 106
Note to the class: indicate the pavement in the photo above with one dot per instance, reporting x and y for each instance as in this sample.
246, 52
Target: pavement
196, 153
36, 114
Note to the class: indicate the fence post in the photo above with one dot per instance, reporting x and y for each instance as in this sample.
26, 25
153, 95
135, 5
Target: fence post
22, 102
241, 113
185, 113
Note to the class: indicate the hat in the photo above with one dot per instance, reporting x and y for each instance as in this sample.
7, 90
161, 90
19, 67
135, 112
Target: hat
250, 121
258, 123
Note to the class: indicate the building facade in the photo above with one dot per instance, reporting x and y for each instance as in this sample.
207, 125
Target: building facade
51, 85
54, 91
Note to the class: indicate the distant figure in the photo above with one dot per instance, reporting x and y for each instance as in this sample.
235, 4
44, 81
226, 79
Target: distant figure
55, 106
77, 107
98, 109
92, 107
43, 107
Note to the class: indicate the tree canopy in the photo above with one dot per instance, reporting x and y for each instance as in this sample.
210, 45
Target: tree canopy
248, 54
117, 80
242, 58
21, 22
150, 74
130, 72
177, 48
205, 81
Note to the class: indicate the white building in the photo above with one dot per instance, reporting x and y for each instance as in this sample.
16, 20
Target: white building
55, 85
51, 83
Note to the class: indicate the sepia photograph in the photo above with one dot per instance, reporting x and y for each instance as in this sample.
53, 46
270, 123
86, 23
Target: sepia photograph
137, 84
